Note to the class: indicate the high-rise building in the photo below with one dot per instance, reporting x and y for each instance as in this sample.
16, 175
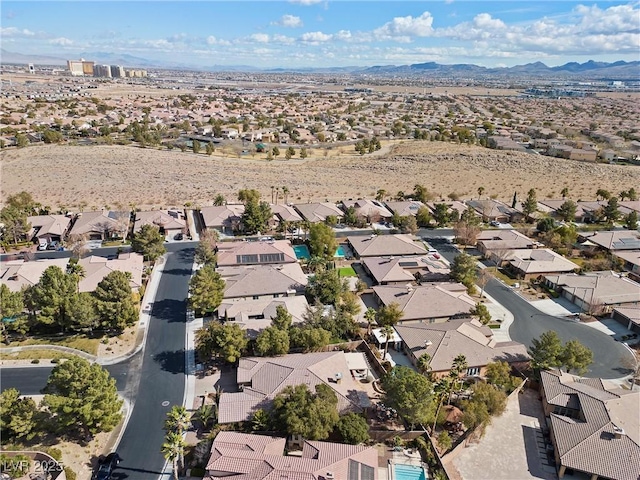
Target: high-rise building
117, 71
80, 67
102, 71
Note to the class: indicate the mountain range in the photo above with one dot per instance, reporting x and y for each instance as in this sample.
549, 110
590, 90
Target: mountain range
619, 70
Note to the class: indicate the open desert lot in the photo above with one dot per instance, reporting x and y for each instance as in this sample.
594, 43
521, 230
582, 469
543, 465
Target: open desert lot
119, 176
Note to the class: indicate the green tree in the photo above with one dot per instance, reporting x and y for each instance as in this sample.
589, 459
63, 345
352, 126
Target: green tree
564, 192
353, 429
611, 212
474, 414
82, 312
632, 194
424, 363
206, 414
575, 356
219, 200
260, 421
172, 449
206, 250
444, 440
303, 153
603, 194
83, 396
423, 217
283, 318
289, 153
51, 295
464, 270
256, 214
210, 148
11, 303
115, 303
322, 241
16, 466
530, 205
227, 341
272, 341
499, 374
482, 312
389, 314
21, 140
545, 352
631, 220
441, 214
326, 287
567, 211
350, 217
309, 338
206, 289
486, 394
178, 419
18, 416
545, 224
297, 411
149, 242
421, 194
481, 190
15, 224
196, 146
52, 136
410, 394
370, 317
275, 151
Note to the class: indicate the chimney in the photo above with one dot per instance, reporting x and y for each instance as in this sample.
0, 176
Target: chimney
617, 432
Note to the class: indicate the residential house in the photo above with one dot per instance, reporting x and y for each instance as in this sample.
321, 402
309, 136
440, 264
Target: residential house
390, 270
455, 206
17, 274
528, 264
318, 212
226, 219
256, 315
371, 211
443, 342
630, 260
494, 243
102, 225
258, 457
615, 240
405, 208
285, 213
628, 316
255, 253
263, 281
48, 228
596, 292
434, 302
169, 222
551, 207
260, 379
96, 268
494, 211
594, 427
386, 245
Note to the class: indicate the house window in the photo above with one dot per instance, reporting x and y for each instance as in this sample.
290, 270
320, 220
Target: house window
473, 371
256, 297
276, 295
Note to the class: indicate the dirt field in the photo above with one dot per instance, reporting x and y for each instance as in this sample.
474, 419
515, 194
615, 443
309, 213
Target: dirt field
92, 177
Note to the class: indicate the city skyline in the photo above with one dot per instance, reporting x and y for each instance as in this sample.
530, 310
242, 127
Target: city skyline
311, 33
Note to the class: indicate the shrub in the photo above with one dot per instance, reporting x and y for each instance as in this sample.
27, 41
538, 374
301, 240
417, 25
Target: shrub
56, 453
198, 472
71, 475
35, 360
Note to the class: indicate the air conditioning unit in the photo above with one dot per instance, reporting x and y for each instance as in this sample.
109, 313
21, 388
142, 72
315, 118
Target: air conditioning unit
328, 476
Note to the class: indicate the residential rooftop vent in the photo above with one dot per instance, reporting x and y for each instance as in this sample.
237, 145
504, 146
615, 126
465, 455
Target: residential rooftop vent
618, 432
329, 476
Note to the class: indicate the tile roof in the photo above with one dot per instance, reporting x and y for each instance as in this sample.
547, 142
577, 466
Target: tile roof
318, 212
42, 225
221, 216
16, 274
406, 208
606, 288
543, 260
614, 240
399, 269
256, 457
246, 313
264, 377
96, 268
273, 251
100, 222
605, 439
258, 280
286, 213
167, 219
368, 208
503, 240
444, 341
385, 245
435, 300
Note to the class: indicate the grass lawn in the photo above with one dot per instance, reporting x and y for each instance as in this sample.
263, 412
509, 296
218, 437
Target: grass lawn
79, 342
35, 354
347, 272
505, 278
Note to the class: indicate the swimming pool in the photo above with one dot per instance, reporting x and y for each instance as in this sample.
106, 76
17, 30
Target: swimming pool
408, 472
339, 252
302, 252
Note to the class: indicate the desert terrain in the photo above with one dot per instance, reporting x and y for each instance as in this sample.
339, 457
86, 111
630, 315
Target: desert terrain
93, 177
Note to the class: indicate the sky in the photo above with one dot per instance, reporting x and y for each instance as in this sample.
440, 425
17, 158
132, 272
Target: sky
321, 33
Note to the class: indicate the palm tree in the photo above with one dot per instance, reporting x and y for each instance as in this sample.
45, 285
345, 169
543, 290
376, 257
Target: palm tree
173, 449
380, 194
178, 419
564, 192
458, 366
423, 363
480, 192
441, 390
285, 194
388, 332
206, 414
219, 200
273, 189
369, 316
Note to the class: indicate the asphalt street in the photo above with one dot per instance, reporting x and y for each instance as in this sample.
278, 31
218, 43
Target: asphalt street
160, 380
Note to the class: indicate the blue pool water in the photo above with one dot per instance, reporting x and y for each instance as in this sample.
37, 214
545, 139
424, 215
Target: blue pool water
302, 252
339, 252
408, 472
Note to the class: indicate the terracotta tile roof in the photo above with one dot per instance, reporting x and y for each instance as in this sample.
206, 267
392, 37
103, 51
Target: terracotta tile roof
42, 225
385, 245
167, 219
605, 439
437, 300
253, 457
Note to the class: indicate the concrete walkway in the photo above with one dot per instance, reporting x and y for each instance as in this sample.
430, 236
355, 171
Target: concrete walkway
512, 448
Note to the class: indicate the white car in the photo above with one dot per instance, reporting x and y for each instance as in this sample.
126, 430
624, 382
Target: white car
42, 245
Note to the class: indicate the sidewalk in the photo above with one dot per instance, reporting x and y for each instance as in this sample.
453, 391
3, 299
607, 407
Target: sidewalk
499, 313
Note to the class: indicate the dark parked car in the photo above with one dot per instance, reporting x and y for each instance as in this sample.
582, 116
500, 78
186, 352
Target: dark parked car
106, 466
178, 236
53, 245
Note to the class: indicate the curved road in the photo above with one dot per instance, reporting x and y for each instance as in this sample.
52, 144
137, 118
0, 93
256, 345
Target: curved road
152, 380
529, 323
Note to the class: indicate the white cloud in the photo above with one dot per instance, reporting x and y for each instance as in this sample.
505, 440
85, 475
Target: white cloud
403, 28
315, 37
211, 40
259, 37
61, 41
290, 21
16, 32
283, 39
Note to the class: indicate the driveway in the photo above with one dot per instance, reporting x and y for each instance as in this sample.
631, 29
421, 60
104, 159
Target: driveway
513, 446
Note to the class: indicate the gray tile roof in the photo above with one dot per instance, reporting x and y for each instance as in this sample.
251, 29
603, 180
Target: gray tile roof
606, 288
318, 212
261, 280
385, 245
605, 439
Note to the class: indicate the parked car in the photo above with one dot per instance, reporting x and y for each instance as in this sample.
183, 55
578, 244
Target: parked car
106, 466
42, 245
494, 223
178, 236
53, 245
